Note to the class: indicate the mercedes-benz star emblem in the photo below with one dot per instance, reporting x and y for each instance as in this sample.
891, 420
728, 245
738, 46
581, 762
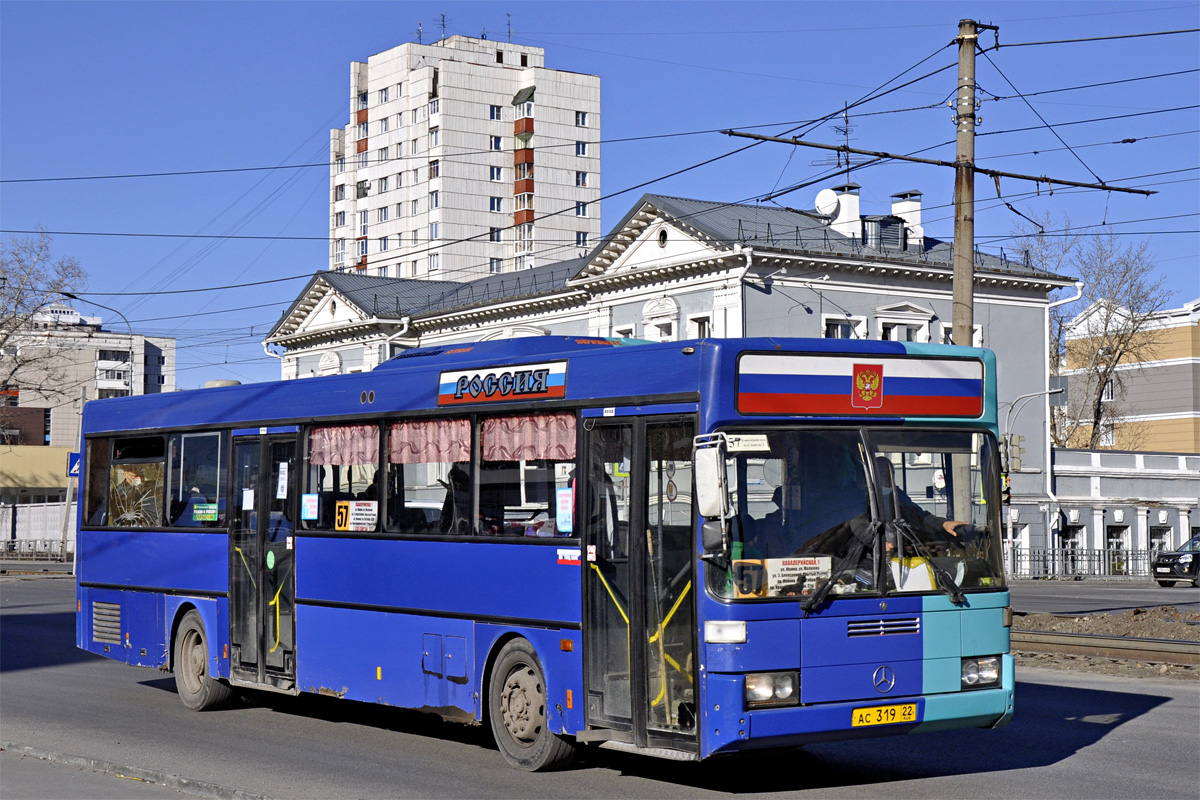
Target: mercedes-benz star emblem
884, 679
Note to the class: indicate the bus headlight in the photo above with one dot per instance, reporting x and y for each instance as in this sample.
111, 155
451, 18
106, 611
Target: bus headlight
980, 673
767, 689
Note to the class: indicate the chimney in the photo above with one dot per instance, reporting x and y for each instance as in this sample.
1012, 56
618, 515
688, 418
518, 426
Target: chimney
907, 206
847, 221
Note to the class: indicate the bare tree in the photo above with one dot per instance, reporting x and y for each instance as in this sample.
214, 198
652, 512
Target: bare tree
1109, 326
31, 279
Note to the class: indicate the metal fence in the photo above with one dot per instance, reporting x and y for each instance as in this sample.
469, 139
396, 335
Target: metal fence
34, 550
1073, 562
33, 532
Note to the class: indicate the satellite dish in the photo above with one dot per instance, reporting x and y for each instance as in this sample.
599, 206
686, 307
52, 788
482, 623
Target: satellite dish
827, 202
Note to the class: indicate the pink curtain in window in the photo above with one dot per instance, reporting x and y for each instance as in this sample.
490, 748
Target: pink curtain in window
345, 445
430, 441
544, 436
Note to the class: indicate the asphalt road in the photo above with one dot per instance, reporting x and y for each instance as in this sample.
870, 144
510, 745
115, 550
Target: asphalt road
1095, 597
1074, 735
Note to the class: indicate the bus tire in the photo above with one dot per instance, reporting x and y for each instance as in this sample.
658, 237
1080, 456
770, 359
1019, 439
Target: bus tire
197, 687
517, 711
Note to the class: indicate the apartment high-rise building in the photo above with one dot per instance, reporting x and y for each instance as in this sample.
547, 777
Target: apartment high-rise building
64, 358
462, 158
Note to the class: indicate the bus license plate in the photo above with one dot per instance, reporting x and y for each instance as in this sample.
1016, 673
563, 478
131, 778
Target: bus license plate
884, 715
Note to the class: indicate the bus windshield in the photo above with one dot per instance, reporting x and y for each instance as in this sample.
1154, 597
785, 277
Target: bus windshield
866, 511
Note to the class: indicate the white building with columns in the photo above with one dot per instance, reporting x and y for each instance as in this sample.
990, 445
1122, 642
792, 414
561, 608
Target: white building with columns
676, 268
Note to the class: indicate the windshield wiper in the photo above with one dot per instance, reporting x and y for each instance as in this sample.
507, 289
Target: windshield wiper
852, 558
942, 578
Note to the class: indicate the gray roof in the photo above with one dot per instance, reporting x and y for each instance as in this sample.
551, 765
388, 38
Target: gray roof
395, 298
387, 297
790, 230
768, 228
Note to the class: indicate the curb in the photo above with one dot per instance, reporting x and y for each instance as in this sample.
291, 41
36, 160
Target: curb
167, 779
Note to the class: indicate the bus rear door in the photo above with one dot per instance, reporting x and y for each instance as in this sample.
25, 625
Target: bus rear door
262, 576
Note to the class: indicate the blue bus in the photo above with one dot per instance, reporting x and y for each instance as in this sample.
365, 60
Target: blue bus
683, 549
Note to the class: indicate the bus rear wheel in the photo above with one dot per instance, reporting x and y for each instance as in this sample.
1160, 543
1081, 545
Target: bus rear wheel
517, 711
197, 687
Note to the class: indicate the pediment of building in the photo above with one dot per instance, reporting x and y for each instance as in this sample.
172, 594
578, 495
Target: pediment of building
319, 309
903, 309
649, 242
514, 332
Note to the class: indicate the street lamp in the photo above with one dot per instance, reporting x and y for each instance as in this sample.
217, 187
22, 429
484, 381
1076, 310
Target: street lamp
1010, 417
1018, 405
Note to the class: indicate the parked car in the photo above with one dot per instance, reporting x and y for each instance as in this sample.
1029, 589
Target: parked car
1179, 565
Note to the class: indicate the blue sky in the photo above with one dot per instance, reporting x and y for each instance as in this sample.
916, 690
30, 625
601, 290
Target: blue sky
93, 89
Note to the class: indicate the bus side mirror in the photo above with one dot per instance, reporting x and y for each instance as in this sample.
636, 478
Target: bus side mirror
712, 500
712, 495
712, 536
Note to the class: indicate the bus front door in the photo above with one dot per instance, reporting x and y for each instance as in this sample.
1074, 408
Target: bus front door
639, 632
262, 577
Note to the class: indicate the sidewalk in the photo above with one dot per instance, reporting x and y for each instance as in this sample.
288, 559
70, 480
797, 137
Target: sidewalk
30, 778
14, 567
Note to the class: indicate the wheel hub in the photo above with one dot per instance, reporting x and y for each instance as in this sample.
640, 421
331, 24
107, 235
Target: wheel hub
521, 705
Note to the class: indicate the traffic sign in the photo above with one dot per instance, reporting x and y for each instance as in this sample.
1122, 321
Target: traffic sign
73, 465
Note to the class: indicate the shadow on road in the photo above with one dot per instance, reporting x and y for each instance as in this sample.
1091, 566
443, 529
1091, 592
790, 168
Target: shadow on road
1051, 725
34, 641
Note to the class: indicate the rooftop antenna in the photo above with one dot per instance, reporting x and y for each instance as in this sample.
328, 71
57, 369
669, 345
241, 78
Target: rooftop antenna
841, 159
443, 25
509, 16
420, 33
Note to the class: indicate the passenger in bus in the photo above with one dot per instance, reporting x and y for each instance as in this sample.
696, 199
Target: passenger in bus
898, 505
456, 508
135, 496
830, 491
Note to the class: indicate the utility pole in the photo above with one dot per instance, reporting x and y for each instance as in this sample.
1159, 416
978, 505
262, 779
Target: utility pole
963, 314
964, 186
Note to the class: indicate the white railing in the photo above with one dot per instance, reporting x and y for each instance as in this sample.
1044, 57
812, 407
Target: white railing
1072, 562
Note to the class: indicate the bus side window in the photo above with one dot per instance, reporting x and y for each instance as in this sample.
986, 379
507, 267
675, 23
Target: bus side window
196, 480
525, 461
343, 461
96, 482
135, 487
429, 476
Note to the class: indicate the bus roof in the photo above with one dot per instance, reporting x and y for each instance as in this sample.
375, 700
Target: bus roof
495, 374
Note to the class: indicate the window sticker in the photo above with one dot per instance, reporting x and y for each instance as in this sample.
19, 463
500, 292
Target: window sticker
778, 577
309, 507
247, 499
204, 512
565, 510
356, 515
282, 484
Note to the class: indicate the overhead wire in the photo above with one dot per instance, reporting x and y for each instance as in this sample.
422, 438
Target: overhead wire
1080, 87
1100, 38
1094, 119
1038, 114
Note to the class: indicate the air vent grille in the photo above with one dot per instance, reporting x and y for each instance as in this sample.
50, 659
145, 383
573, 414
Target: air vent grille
106, 623
883, 627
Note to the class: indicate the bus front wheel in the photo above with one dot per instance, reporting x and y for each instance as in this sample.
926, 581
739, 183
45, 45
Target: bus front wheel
197, 687
517, 711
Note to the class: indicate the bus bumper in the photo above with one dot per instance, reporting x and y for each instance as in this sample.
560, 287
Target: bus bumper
789, 727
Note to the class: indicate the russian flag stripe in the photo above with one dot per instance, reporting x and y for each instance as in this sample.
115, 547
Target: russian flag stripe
788, 384
893, 406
